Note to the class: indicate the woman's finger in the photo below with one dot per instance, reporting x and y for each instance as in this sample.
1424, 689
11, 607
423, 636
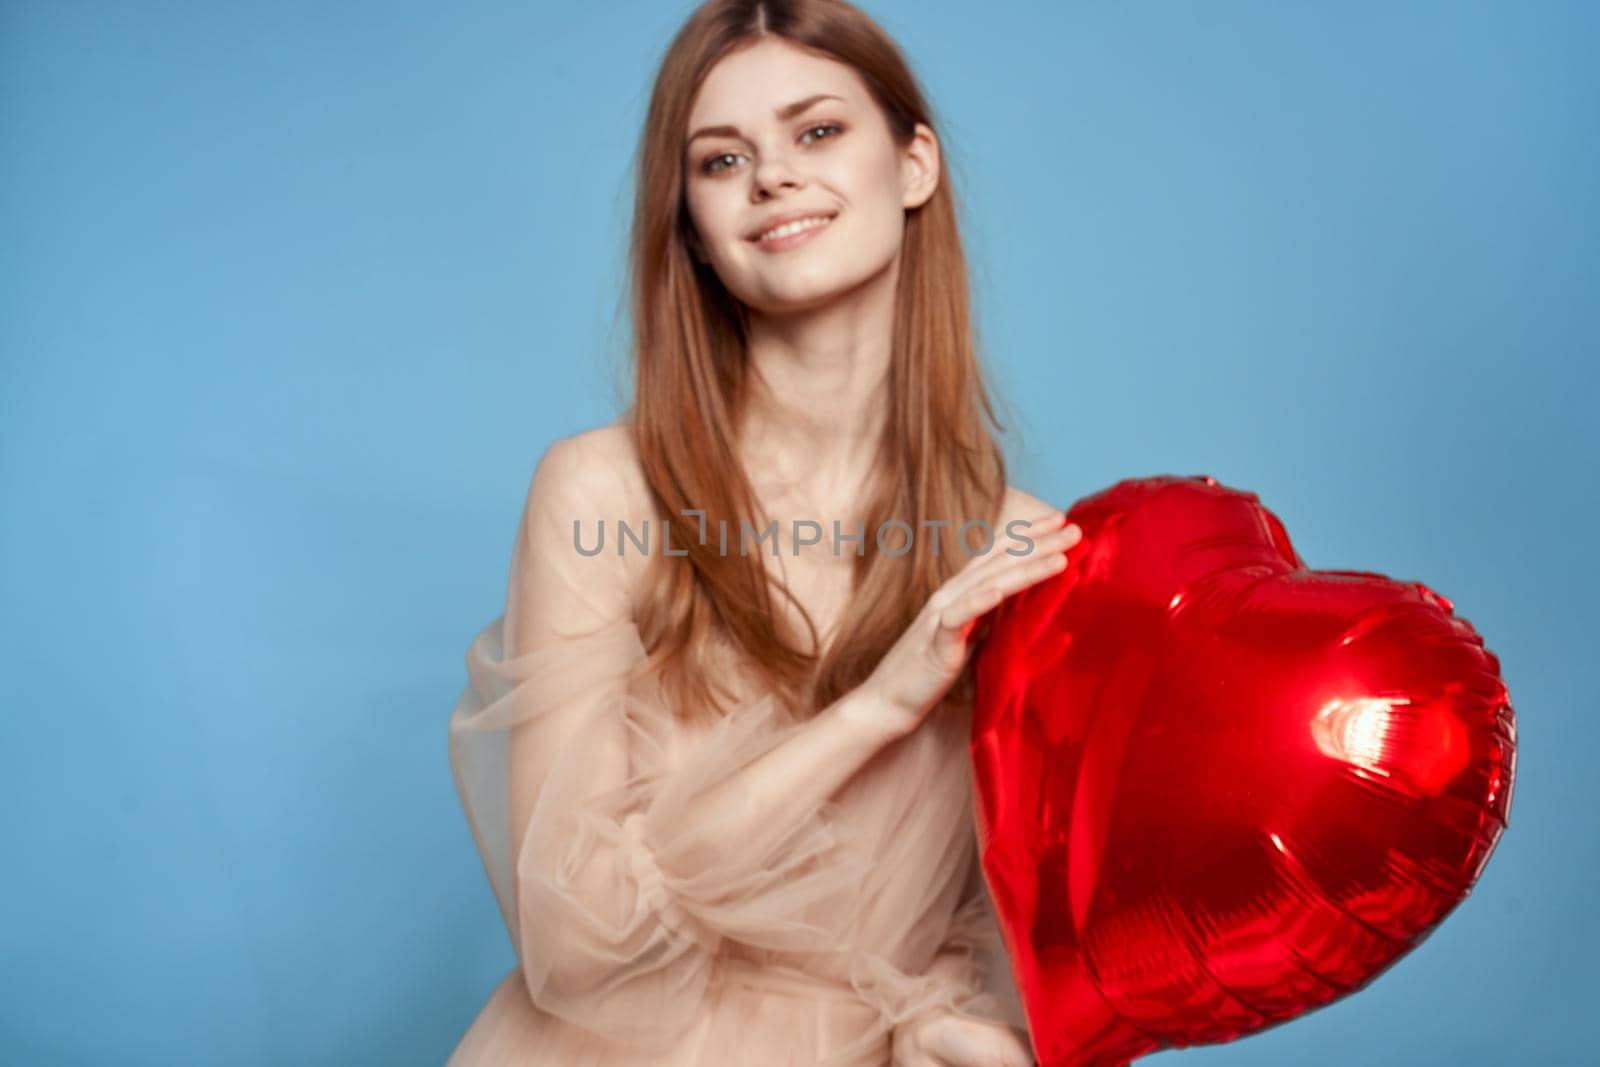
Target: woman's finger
1043, 543
963, 1041
1054, 519
985, 596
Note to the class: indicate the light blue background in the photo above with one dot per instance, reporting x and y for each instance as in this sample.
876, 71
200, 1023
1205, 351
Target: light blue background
295, 294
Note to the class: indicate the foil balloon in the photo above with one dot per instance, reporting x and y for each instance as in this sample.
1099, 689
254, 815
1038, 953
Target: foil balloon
1216, 789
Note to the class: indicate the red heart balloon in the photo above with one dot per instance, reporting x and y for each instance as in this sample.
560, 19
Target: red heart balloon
1217, 789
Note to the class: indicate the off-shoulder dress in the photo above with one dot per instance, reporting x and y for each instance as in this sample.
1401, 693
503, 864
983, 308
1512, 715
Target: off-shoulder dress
644, 938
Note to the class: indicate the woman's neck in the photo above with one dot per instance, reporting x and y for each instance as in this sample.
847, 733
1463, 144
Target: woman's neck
813, 417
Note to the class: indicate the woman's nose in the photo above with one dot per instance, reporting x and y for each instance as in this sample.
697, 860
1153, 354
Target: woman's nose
774, 173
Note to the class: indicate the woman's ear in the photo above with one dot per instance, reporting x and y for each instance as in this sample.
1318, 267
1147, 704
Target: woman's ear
696, 249
919, 174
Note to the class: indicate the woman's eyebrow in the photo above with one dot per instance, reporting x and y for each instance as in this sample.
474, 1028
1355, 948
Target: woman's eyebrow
788, 111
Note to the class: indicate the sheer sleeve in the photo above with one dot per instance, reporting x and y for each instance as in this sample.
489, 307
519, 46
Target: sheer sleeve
969, 972
576, 794
962, 960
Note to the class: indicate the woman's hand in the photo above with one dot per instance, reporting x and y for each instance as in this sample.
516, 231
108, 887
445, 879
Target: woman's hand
948, 1039
921, 667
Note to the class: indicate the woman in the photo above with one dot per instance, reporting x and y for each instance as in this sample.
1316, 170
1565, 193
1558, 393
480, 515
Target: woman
724, 796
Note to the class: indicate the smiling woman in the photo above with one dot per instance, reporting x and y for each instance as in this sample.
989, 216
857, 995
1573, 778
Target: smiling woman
834, 148
724, 799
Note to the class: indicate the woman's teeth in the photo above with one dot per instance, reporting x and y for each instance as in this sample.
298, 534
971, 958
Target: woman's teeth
795, 227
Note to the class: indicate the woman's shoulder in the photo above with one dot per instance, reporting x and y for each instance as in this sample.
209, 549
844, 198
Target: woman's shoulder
606, 462
1020, 504
602, 464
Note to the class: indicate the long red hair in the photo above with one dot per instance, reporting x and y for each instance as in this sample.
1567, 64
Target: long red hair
938, 458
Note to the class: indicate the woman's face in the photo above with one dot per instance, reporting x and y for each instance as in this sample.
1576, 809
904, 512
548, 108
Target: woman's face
833, 158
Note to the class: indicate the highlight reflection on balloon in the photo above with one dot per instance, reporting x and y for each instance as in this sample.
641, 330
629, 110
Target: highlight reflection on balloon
1217, 789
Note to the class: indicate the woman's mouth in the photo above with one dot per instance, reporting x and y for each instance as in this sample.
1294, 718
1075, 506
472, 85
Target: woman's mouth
793, 234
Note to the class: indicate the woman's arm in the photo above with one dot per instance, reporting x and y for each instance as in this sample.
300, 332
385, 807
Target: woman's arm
630, 869
806, 769
625, 882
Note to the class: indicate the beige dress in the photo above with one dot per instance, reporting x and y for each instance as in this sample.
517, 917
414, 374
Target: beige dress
642, 938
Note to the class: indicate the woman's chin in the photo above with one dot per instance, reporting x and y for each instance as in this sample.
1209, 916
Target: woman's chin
806, 290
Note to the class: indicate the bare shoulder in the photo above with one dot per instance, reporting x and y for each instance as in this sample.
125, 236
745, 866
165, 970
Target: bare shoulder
1021, 504
600, 467
611, 459
593, 466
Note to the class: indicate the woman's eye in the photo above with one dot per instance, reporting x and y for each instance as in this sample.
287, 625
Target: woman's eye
712, 164
835, 127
